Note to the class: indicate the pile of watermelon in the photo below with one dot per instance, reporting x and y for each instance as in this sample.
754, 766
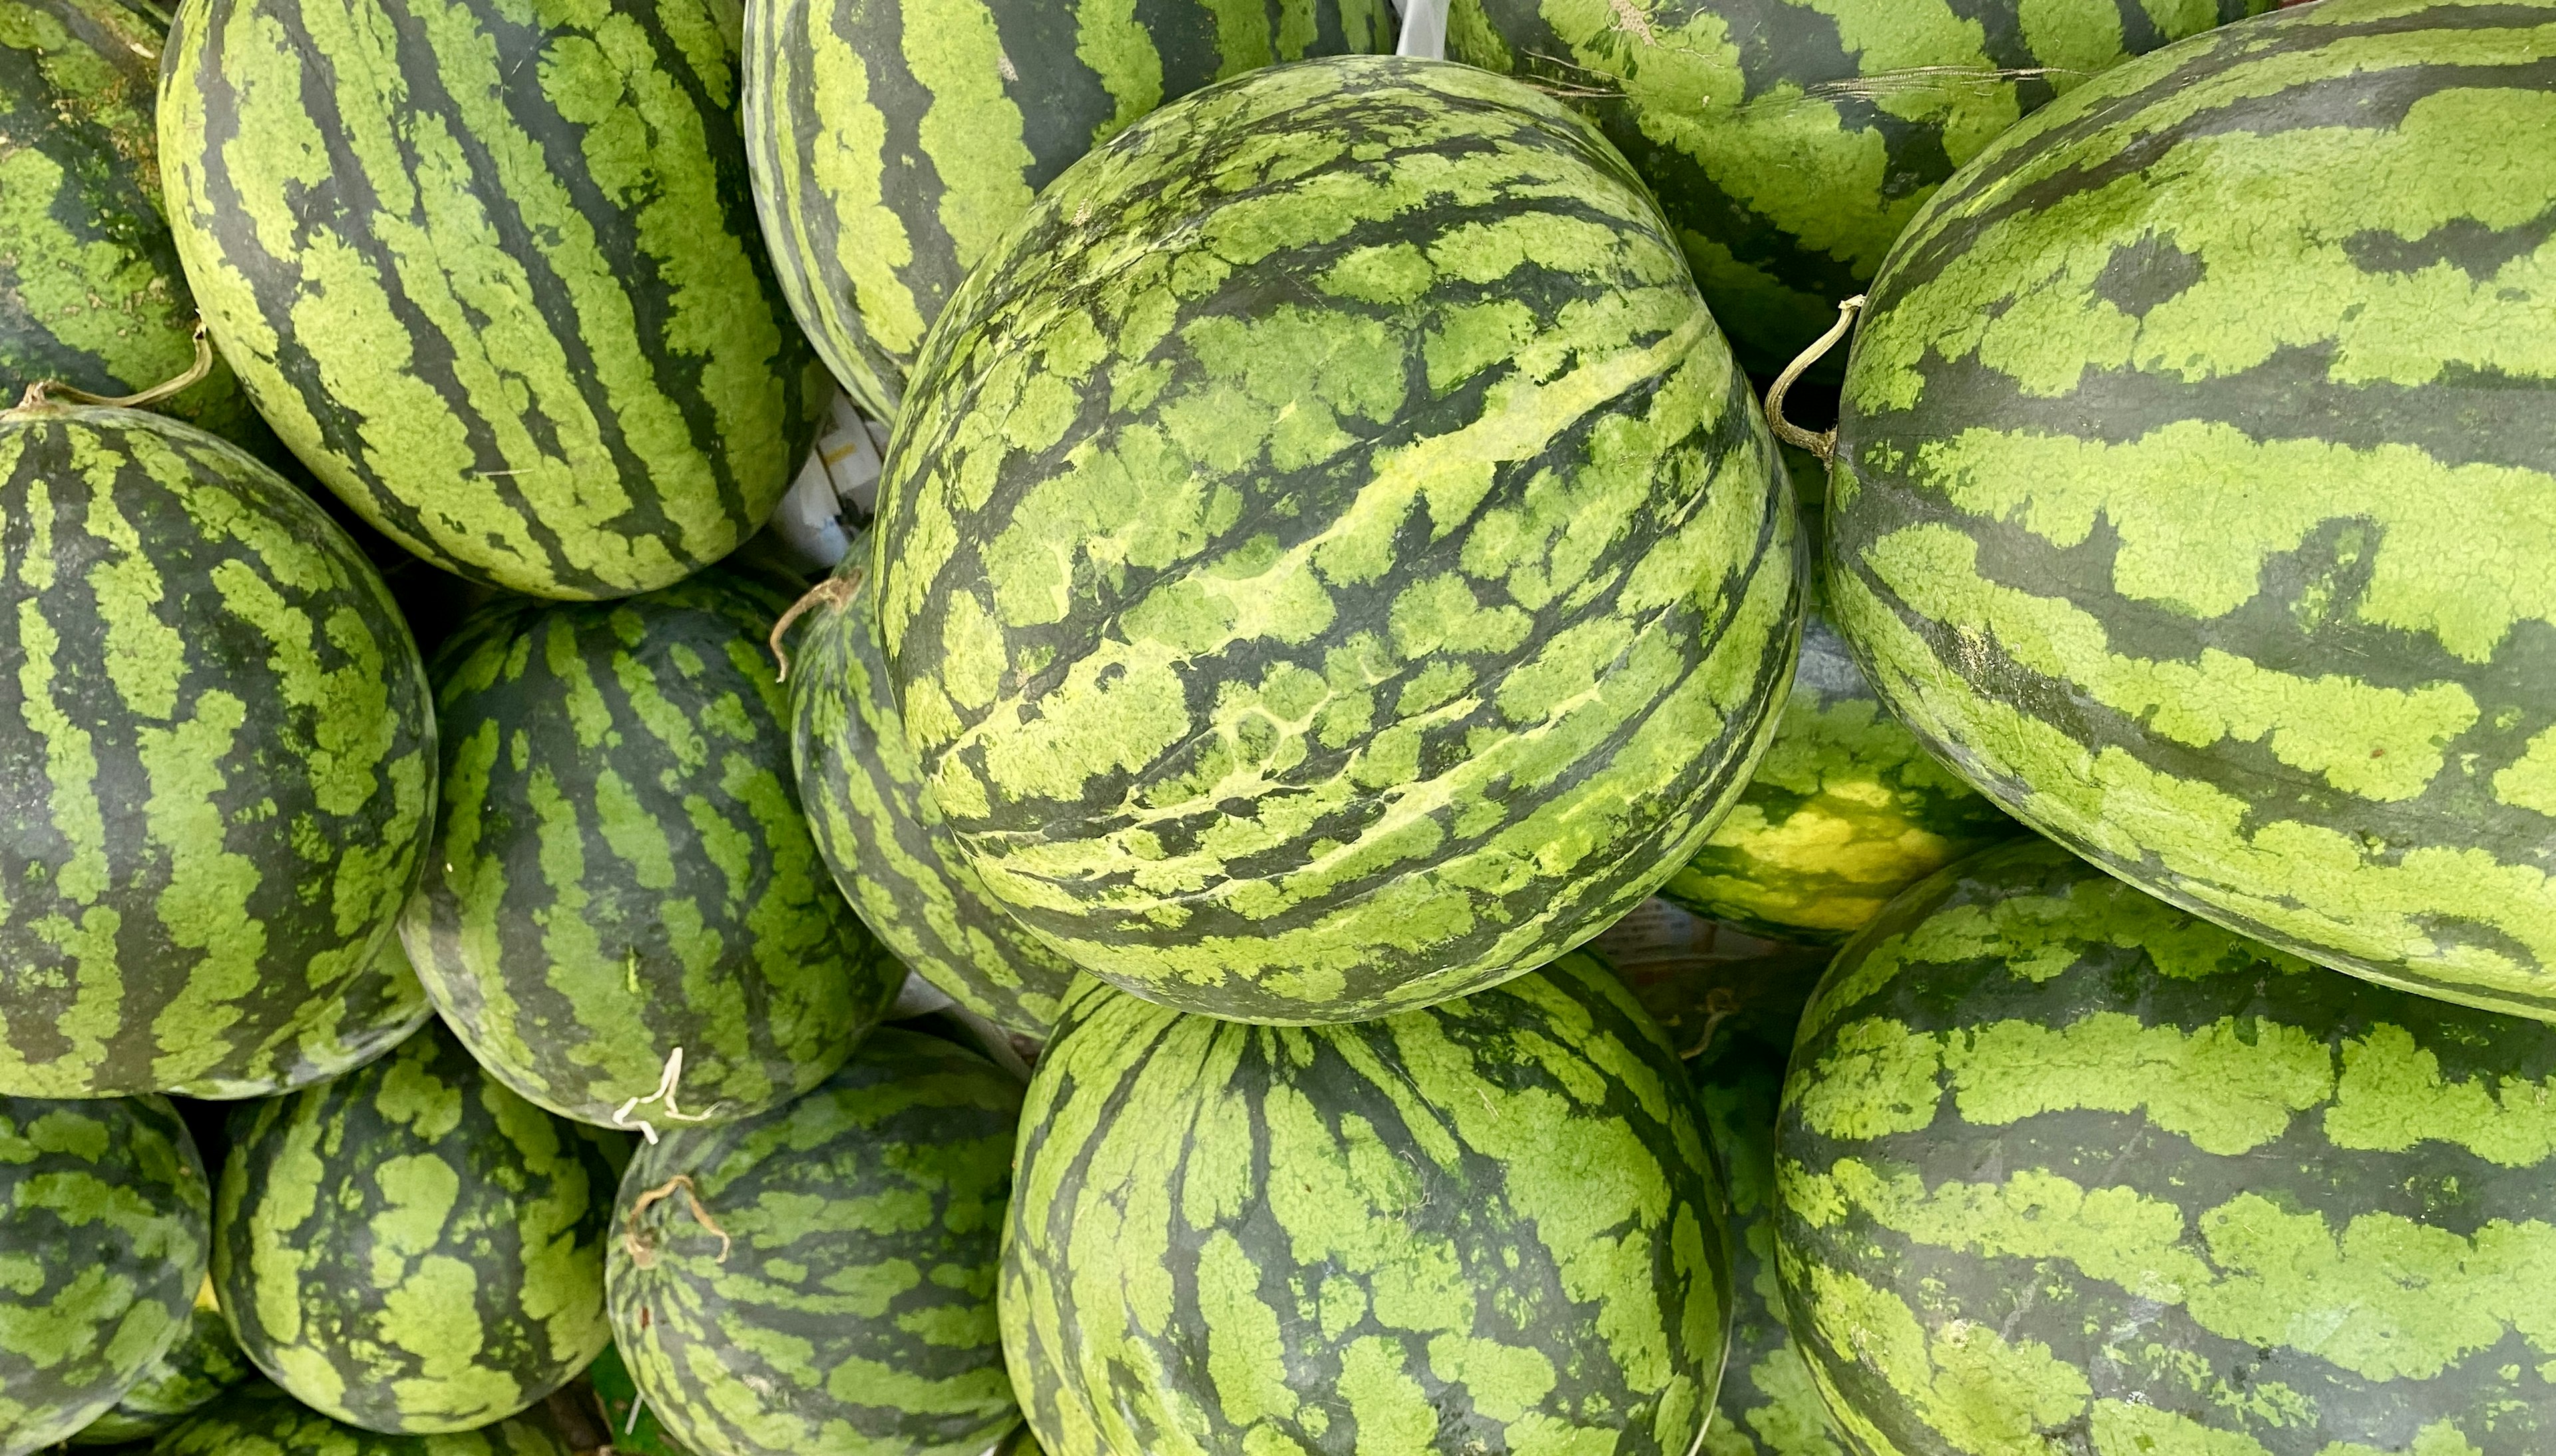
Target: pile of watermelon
1328, 728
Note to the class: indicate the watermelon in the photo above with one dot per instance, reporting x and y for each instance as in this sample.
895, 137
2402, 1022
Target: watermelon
892, 144
624, 917
1492, 1226
257, 1419
1791, 140
891, 851
411, 1247
103, 1226
204, 1361
634, 1428
372, 1011
2218, 541
1328, 562
492, 273
220, 771
820, 1278
2062, 1167
1847, 808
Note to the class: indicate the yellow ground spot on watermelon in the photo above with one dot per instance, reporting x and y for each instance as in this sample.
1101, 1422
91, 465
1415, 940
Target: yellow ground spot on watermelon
2392, 1097
1963, 1380
972, 129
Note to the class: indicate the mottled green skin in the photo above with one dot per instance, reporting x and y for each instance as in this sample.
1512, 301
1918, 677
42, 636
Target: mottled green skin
2206, 527
204, 1361
891, 851
367, 1015
1790, 141
1769, 1406
413, 1247
893, 141
104, 1219
90, 293
222, 768
2062, 1167
1488, 1228
854, 1313
1329, 562
633, 1434
491, 268
623, 868
257, 1419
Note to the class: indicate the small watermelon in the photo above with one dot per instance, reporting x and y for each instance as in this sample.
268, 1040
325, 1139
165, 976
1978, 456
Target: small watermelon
1492, 1226
1791, 140
204, 1361
1329, 562
2207, 523
257, 1419
103, 1228
2062, 1167
891, 851
413, 1247
893, 144
492, 272
624, 917
820, 1278
222, 768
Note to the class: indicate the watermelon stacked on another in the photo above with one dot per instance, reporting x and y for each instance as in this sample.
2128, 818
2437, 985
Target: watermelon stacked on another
2193, 486
1329, 562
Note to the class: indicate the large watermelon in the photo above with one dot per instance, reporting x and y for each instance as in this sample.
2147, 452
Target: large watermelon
103, 1227
874, 819
204, 1361
219, 768
2196, 487
491, 270
1791, 140
257, 1419
1488, 1228
624, 916
820, 1278
1329, 562
893, 144
2066, 1168
412, 1247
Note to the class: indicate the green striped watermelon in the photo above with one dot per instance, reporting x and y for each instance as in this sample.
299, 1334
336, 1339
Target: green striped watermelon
220, 771
624, 916
1768, 1404
820, 1278
1329, 562
892, 144
1791, 140
2065, 1169
257, 1419
413, 1247
2212, 537
891, 851
1492, 1226
635, 1429
103, 1228
204, 1361
491, 270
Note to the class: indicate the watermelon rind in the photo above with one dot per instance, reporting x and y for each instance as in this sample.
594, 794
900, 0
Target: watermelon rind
205, 1361
257, 1419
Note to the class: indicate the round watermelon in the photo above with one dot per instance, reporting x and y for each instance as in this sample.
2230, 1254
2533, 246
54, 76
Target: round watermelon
257, 1419
1492, 1226
103, 1228
891, 851
1790, 141
2211, 536
2065, 1168
411, 1247
892, 144
820, 1278
221, 767
492, 273
204, 1361
624, 917
1329, 562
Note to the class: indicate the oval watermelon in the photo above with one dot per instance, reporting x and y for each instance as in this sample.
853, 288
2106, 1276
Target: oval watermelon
493, 274
820, 1278
103, 1228
1329, 562
2214, 540
1492, 1226
624, 916
885, 839
257, 1419
204, 1361
893, 145
413, 1247
1790, 141
222, 768
2064, 1167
